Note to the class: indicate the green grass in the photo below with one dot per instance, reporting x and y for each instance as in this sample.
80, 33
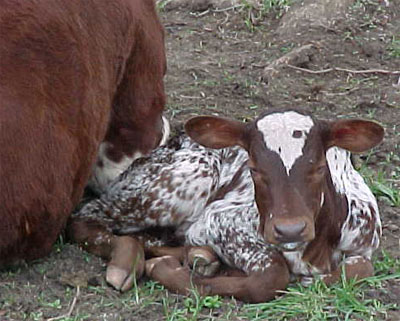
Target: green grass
255, 13
346, 300
382, 186
394, 48
277, 5
193, 308
321, 303
162, 3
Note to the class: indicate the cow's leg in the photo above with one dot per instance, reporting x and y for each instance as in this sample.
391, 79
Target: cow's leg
202, 259
125, 254
355, 267
257, 286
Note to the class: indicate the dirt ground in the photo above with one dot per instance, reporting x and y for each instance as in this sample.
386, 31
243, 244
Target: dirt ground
236, 61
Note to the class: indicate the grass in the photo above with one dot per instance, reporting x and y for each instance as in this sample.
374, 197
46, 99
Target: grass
394, 48
162, 3
194, 307
346, 300
277, 5
380, 185
256, 11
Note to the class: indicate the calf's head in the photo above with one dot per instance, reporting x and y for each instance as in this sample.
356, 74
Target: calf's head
287, 159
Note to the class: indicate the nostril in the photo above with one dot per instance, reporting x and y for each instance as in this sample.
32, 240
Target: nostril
290, 230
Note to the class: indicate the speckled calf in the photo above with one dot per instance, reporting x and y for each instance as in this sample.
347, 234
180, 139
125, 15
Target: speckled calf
274, 198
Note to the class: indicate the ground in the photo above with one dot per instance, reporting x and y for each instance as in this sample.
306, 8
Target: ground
235, 61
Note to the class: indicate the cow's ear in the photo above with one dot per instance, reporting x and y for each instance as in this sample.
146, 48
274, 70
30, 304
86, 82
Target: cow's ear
355, 135
215, 132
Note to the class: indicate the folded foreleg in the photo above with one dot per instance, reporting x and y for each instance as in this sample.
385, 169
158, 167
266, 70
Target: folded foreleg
353, 267
124, 253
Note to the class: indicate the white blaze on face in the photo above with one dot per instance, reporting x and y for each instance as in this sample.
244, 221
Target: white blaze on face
286, 133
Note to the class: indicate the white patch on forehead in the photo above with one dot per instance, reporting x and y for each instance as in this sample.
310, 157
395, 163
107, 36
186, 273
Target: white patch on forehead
279, 130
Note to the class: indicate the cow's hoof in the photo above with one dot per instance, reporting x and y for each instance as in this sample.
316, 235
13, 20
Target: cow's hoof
119, 278
203, 261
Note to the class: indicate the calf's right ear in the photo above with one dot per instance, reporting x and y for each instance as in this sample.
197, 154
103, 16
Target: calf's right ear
215, 132
355, 135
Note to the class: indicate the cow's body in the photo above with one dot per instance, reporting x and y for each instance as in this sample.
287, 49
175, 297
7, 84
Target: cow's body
73, 73
208, 195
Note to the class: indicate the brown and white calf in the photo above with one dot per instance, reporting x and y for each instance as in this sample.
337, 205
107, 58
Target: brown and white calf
286, 201
73, 74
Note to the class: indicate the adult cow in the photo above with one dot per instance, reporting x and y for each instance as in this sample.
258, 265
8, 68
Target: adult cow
287, 201
72, 74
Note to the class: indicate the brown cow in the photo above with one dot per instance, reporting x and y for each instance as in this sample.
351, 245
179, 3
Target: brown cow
70, 70
287, 201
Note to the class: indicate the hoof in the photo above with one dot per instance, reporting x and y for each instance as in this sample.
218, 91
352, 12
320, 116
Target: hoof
127, 263
203, 261
166, 262
119, 278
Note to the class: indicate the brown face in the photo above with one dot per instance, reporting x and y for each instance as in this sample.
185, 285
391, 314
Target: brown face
289, 170
287, 159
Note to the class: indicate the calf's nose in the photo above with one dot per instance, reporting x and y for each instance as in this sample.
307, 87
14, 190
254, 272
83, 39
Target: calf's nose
289, 232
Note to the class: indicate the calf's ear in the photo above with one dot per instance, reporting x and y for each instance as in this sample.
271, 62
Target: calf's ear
355, 135
215, 132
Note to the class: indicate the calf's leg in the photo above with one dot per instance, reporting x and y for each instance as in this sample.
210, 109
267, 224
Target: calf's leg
355, 267
125, 254
202, 259
257, 286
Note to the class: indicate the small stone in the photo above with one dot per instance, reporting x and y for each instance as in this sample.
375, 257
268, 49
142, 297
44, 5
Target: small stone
392, 227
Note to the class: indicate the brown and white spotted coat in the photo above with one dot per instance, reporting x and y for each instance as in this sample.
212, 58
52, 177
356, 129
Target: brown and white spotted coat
287, 199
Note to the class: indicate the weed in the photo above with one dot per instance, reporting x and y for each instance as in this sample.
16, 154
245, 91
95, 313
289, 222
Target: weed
59, 244
287, 48
276, 5
379, 184
161, 4
394, 48
386, 264
255, 13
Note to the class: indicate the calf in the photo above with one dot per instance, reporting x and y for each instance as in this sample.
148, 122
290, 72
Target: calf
286, 201
73, 74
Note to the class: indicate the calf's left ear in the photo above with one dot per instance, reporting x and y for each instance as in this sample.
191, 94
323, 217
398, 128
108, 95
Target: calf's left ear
215, 132
355, 135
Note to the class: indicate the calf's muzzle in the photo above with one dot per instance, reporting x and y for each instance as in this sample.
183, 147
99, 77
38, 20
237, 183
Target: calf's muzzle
293, 230
289, 232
